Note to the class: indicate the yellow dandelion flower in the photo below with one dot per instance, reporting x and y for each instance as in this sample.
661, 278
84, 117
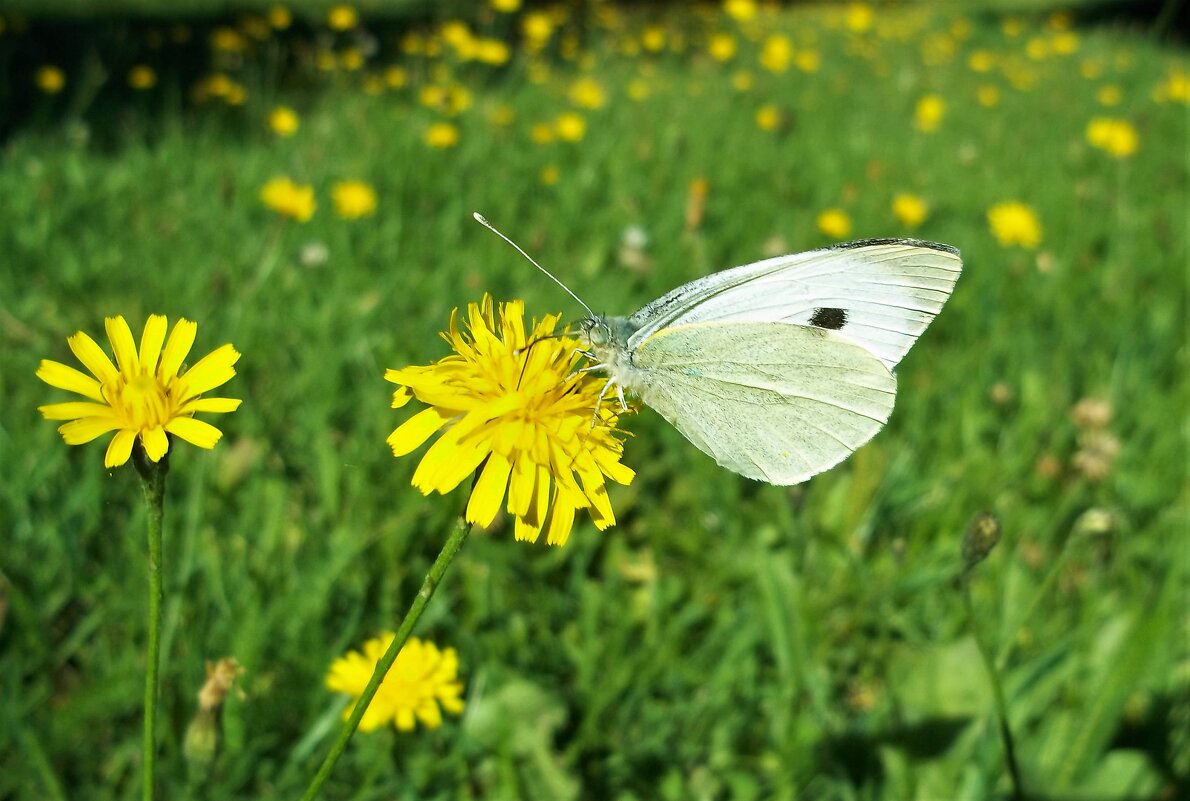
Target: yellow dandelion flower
542, 133
228, 40
537, 27
981, 61
521, 415
142, 77
1012, 27
639, 89
1065, 43
653, 38
911, 210
353, 199
768, 117
342, 18
351, 59
143, 395
807, 60
50, 79
588, 93
1014, 223
571, 127
928, 114
1117, 137
740, 10
860, 17
776, 53
442, 135
742, 81
988, 95
506, 6
835, 223
280, 17
395, 77
289, 199
549, 175
284, 121
722, 47
493, 52
421, 683
1174, 89
1109, 95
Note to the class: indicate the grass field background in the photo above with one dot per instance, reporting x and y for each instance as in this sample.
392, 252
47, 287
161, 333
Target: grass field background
726, 639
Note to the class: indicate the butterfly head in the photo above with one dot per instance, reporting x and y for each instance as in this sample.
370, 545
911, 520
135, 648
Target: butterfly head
596, 331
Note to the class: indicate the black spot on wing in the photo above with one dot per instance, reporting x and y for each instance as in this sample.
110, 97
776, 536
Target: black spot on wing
831, 319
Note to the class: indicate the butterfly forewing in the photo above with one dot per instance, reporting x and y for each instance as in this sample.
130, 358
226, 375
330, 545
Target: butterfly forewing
879, 294
773, 402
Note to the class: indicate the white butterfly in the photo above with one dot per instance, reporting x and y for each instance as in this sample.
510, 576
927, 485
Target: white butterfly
780, 369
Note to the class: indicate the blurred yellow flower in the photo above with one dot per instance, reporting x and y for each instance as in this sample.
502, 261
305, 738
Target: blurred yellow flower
351, 59
421, 683
860, 17
492, 51
740, 10
834, 223
522, 416
929, 113
50, 79
449, 99
289, 199
395, 77
342, 18
639, 89
143, 395
768, 117
721, 46
549, 175
537, 28
981, 61
587, 92
284, 121
1065, 43
1012, 27
280, 17
776, 53
442, 135
506, 6
1014, 223
653, 38
353, 199
911, 210
1109, 95
571, 127
988, 95
807, 60
1090, 68
542, 133
228, 40
742, 81
1117, 137
1175, 89
142, 77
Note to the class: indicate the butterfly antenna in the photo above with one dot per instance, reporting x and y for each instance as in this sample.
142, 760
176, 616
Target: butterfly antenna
484, 222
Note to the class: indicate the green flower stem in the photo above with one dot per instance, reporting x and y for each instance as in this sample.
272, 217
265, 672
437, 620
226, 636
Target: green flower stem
989, 662
152, 483
457, 537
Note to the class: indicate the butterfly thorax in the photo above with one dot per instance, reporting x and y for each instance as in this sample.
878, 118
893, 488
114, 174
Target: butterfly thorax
607, 342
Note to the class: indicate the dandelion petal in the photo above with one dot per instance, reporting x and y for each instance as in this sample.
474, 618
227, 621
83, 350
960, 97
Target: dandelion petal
120, 336
410, 435
196, 432
61, 376
489, 490
119, 449
93, 357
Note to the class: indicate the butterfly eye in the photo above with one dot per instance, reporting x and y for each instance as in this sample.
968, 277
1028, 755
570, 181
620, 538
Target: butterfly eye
595, 333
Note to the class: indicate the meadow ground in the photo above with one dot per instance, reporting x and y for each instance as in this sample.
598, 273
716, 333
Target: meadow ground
725, 639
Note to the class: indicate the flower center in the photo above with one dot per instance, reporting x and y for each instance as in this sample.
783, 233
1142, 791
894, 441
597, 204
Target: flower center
143, 401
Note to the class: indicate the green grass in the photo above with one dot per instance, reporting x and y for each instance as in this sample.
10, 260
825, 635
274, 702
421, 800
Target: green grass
726, 639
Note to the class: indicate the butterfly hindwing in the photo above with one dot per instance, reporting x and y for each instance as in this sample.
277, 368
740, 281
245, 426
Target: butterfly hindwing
773, 402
